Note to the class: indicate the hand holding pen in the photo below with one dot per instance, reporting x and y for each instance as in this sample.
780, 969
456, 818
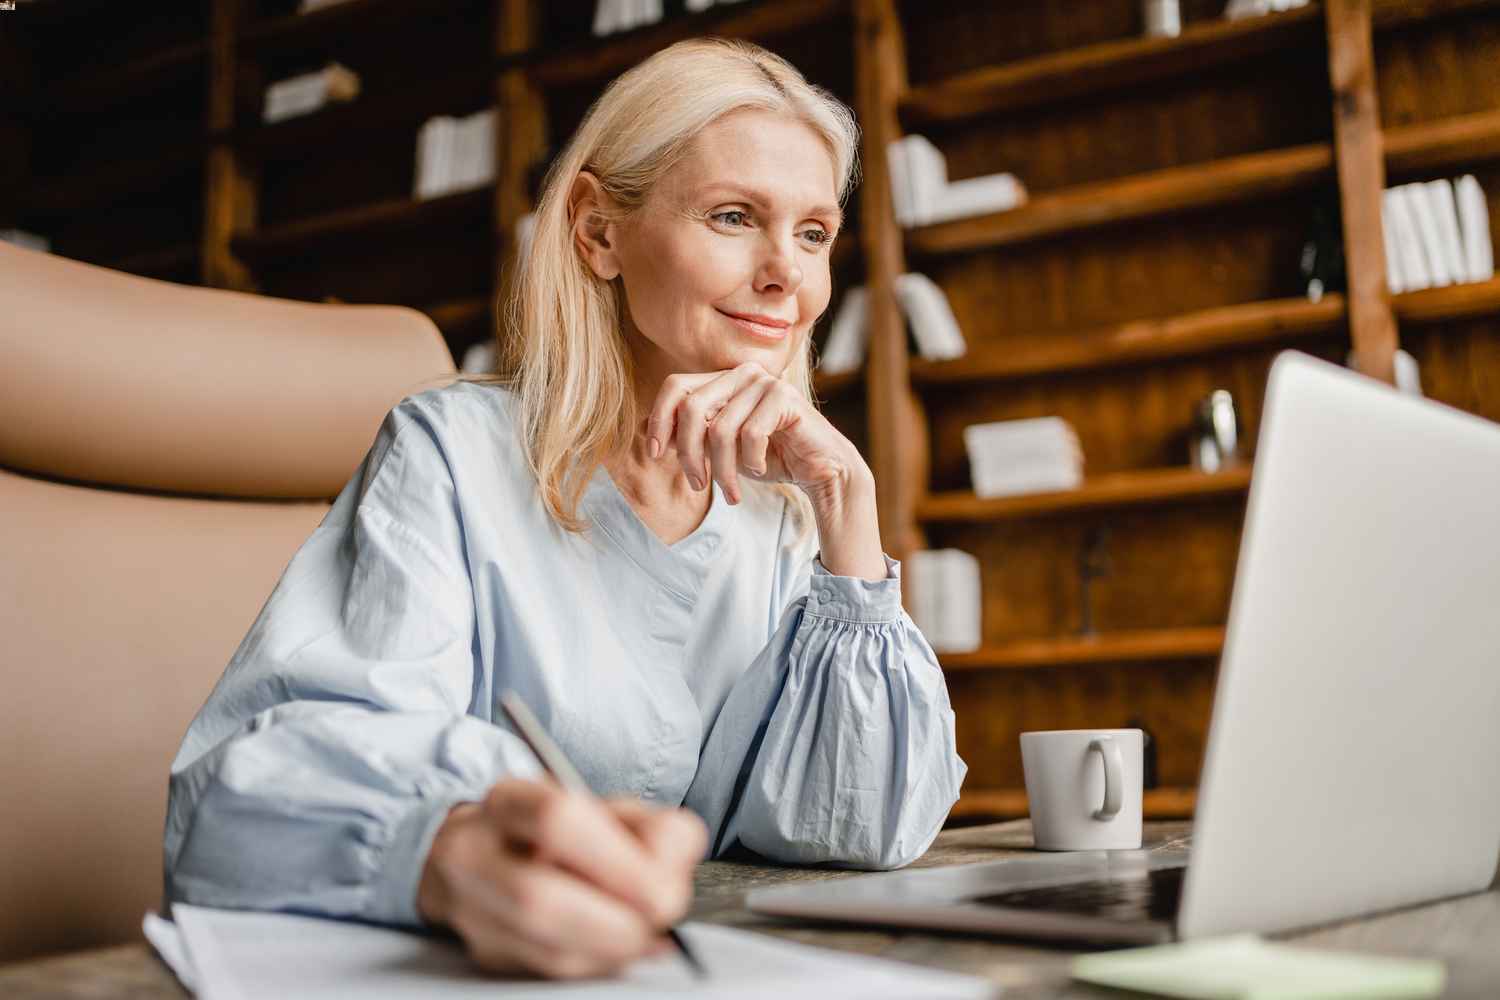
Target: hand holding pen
558, 883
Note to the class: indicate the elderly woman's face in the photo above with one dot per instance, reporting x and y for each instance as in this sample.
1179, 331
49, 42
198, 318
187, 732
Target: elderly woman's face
727, 260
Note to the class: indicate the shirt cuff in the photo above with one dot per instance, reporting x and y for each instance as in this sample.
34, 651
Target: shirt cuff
405, 855
853, 598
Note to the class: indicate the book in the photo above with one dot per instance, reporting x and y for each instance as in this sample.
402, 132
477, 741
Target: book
1395, 278
931, 318
1474, 226
1012, 457
1438, 271
1444, 207
1408, 242
308, 92
921, 193
844, 350
947, 599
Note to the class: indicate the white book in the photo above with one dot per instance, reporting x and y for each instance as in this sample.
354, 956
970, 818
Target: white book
979, 196
897, 162
1408, 241
607, 16
652, 10
434, 156
844, 350
1427, 230
1445, 210
479, 358
1474, 223
698, 6
928, 170
947, 597
1016, 483
1408, 373
1395, 278
933, 324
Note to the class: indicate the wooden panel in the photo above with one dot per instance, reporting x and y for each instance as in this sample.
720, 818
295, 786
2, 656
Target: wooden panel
231, 188
1435, 70
1171, 701
1168, 568
1133, 130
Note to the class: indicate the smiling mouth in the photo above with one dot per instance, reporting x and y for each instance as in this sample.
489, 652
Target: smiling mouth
764, 328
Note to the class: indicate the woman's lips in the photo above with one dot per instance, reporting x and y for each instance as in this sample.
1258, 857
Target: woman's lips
762, 327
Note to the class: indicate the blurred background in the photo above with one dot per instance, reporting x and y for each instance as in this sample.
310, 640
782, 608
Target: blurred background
1083, 232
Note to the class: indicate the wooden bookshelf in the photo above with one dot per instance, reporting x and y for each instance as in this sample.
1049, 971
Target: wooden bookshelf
1116, 489
1156, 260
363, 220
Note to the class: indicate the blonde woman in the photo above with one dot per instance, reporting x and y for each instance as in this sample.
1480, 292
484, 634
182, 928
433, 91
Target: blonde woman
645, 528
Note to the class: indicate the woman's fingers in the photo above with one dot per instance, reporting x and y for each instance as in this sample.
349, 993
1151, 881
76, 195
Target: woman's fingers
661, 424
723, 433
580, 834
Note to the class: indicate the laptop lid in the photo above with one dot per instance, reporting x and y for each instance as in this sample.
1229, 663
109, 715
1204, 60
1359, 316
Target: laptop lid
1353, 761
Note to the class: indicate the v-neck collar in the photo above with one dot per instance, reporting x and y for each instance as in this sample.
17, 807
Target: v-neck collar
681, 566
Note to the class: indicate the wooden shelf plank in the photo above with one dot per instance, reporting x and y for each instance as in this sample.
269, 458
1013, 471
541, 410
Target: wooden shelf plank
116, 83
1112, 65
826, 385
323, 25
1145, 646
458, 314
1454, 302
1443, 143
1200, 332
1010, 803
111, 180
1160, 192
1115, 489
603, 58
398, 213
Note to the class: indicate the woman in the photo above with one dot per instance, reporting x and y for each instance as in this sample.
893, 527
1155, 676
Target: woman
647, 530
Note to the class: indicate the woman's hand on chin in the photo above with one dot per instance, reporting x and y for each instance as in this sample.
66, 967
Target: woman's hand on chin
542, 881
744, 421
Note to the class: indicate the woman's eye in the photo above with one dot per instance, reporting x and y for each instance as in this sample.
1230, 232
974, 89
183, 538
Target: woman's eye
819, 237
733, 217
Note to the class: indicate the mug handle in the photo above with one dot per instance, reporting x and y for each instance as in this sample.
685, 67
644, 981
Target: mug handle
1114, 775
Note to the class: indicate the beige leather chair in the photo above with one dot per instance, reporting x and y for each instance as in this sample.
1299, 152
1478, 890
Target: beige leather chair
164, 450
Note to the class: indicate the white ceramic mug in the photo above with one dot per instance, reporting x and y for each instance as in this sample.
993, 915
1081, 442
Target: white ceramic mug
1084, 788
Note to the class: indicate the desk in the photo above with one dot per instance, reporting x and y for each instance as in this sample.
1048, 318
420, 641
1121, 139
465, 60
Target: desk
1465, 932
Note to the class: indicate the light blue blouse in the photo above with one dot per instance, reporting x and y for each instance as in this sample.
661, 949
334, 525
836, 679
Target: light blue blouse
799, 713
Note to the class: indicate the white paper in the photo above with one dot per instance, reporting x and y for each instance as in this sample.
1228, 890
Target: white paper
1474, 220
239, 954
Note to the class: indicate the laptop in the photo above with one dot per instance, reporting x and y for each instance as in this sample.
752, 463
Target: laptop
1353, 757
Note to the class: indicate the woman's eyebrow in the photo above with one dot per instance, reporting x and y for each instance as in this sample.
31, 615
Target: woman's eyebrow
757, 197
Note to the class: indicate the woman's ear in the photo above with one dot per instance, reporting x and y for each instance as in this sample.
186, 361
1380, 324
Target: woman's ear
593, 231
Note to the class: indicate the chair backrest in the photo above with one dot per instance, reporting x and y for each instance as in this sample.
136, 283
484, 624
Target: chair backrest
164, 450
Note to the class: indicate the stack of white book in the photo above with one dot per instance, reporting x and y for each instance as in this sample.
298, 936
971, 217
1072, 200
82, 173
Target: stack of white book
922, 194
454, 154
933, 325
1436, 234
304, 94
611, 16
946, 597
21, 238
1012, 457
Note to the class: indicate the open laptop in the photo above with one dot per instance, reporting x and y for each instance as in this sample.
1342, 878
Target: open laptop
1353, 758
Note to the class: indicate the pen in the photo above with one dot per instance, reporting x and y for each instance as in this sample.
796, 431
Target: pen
529, 728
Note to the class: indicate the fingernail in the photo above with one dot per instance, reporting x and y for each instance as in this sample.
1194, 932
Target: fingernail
693, 482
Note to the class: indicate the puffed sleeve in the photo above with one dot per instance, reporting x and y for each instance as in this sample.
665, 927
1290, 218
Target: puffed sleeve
332, 748
836, 745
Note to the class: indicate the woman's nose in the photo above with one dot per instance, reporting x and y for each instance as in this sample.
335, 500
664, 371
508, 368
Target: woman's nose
779, 270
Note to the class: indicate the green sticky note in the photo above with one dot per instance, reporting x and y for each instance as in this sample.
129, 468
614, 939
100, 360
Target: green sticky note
1244, 967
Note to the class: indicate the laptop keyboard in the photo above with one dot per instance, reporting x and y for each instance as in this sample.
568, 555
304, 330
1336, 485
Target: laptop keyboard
1149, 896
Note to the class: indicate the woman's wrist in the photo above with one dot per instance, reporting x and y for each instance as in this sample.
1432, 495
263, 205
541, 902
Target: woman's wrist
849, 523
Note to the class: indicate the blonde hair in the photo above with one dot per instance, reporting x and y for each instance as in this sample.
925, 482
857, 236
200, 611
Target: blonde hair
559, 331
